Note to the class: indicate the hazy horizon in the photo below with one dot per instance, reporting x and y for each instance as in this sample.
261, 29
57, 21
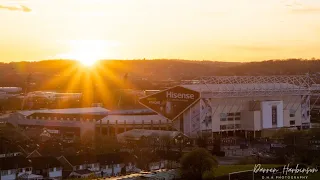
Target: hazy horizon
88, 30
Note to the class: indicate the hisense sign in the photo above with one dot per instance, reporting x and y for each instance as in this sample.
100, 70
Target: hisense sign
172, 102
174, 95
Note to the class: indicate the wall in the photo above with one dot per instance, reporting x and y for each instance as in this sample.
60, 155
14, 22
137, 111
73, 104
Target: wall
192, 118
247, 120
266, 112
108, 171
130, 119
25, 171
93, 167
83, 125
55, 173
11, 175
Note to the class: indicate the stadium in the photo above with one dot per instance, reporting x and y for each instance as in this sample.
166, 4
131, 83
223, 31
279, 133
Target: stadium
245, 106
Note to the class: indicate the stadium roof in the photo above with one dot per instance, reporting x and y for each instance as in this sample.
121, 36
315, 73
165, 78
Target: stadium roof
89, 110
242, 87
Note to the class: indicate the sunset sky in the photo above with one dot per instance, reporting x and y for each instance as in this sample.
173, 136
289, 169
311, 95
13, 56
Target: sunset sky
220, 30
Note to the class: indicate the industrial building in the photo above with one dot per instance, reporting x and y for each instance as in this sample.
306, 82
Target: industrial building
72, 122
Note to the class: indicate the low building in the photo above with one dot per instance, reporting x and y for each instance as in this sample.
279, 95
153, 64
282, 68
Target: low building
48, 167
116, 163
73, 164
14, 167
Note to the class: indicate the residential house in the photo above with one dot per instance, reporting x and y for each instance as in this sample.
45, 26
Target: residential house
9, 149
34, 153
83, 165
46, 166
113, 164
110, 164
13, 167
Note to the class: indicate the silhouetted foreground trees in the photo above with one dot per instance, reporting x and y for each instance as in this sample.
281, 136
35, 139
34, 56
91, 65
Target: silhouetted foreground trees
198, 163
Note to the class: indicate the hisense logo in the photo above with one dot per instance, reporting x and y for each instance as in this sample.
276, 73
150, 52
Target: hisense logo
174, 95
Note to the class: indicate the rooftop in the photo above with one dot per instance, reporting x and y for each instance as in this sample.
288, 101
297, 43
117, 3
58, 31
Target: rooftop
44, 162
89, 110
82, 159
14, 162
136, 134
243, 87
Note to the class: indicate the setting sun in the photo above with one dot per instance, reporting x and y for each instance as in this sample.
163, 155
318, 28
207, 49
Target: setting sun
87, 52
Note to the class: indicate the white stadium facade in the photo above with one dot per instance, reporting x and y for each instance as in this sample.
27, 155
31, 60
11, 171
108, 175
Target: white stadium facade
246, 106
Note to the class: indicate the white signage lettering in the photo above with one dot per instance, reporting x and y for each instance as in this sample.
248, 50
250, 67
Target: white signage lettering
174, 95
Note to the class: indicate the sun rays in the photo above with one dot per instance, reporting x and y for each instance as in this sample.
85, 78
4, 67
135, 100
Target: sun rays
96, 83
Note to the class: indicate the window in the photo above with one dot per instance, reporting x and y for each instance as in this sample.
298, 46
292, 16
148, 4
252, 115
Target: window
230, 126
4, 172
238, 113
223, 127
237, 118
292, 122
238, 126
292, 113
28, 169
13, 171
274, 115
230, 114
223, 117
230, 119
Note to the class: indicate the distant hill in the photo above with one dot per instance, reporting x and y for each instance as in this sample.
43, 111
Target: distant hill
142, 74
